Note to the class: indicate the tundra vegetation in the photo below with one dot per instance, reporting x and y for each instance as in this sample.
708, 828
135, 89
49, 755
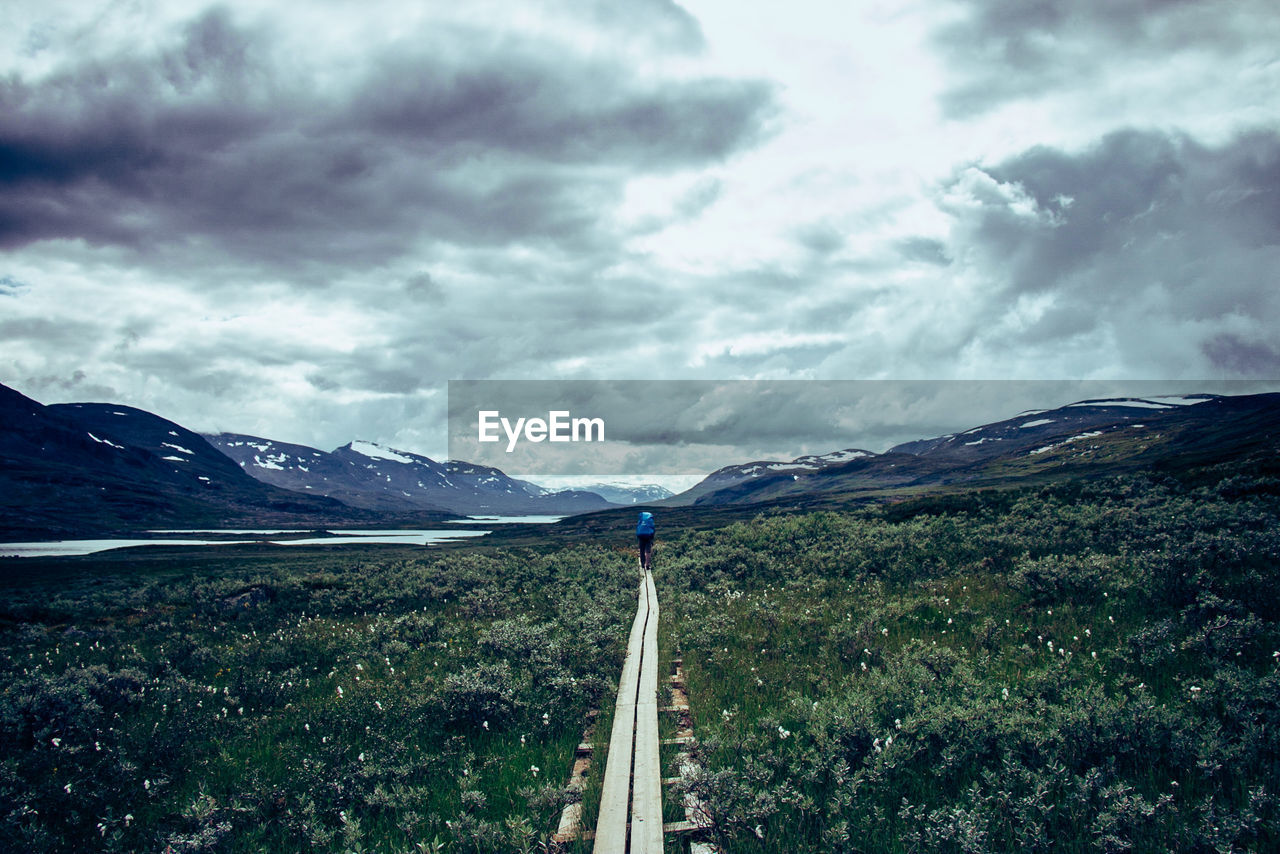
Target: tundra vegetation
1087, 667
311, 704
1080, 667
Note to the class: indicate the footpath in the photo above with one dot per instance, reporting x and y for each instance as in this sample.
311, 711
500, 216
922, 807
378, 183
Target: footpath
630, 817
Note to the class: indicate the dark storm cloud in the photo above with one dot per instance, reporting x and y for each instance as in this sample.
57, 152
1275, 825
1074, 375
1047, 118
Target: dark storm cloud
1006, 49
1258, 358
1156, 225
210, 147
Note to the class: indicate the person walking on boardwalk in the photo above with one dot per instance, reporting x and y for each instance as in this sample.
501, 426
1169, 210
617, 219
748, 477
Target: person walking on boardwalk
644, 532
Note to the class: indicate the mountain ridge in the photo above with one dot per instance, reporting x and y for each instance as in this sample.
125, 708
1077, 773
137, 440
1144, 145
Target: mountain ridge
377, 477
104, 468
1086, 436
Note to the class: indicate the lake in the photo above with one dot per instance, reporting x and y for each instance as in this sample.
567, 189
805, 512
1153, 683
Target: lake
274, 536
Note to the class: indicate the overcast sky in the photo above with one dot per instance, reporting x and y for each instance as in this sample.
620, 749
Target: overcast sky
301, 220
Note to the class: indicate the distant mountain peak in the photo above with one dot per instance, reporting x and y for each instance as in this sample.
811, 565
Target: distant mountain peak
375, 476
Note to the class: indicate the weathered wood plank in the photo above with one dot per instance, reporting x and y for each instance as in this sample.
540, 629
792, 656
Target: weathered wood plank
611, 826
646, 804
646, 801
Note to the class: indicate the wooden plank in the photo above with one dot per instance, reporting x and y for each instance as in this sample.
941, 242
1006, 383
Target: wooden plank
611, 826
570, 823
646, 800
646, 804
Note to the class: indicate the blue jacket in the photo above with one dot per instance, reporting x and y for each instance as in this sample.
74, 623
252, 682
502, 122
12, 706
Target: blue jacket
645, 526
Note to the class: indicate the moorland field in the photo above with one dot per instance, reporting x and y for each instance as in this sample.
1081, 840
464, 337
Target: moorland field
1072, 667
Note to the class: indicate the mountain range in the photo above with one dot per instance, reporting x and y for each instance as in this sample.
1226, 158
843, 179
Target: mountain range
94, 468
98, 468
386, 480
103, 468
1086, 438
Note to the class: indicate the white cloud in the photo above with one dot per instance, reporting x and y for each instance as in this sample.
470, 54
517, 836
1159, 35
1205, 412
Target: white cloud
301, 220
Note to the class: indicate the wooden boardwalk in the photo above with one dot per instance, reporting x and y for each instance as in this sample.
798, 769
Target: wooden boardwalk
632, 785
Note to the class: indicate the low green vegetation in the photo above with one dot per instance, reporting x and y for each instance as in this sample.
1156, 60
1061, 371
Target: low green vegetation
1080, 667
328, 704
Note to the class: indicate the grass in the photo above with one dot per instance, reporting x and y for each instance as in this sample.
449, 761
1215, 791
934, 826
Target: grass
366, 703
1081, 667
1068, 672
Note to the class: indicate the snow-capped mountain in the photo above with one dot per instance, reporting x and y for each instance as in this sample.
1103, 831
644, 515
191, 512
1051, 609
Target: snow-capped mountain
376, 477
1089, 437
624, 493
96, 467
1029, 430
730, 476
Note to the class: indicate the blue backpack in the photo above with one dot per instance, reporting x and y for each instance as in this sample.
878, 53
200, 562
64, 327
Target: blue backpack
645, 525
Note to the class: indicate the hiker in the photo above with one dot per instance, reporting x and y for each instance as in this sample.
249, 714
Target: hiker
644, 532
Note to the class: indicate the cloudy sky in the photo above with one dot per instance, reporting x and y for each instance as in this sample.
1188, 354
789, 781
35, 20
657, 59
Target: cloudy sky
301, 220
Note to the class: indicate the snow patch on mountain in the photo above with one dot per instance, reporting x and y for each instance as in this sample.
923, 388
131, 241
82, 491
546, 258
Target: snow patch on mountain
378, 452
1133, 404
1089, 435
844, 456
1168, 401
106, 442
1039, 422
